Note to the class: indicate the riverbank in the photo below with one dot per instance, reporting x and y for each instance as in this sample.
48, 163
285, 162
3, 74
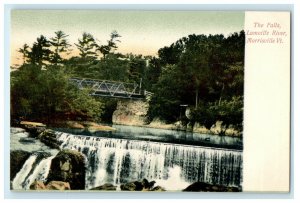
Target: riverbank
178, 126
134, 113
37, 127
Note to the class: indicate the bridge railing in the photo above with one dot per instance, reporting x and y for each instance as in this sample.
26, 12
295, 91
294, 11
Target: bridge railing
111, 88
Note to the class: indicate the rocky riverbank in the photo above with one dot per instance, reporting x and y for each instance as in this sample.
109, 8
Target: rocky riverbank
84, 125
134, 113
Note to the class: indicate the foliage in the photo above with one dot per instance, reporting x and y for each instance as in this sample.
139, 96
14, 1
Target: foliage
87, 46
204, 72
24, 51
207, 75
111, 44
168, 86
61, 45
40, 52
230, 112
46, 94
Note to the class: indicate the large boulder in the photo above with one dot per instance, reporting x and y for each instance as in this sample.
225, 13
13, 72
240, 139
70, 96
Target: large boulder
48, 137
34, 128
143, 185
132, 186
58, 185
17, 160
106, 186
158, 189
53, 185
205, 187
37, 185
130, 112
68, 166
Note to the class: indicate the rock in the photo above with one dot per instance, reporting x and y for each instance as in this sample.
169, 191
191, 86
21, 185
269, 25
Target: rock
58, 185
151, 184
215, 129
130, 112
68, 166
32, 124
37, 185
129, 187
205, 187
158, 189
74, 124
17, 160
53, 185
27, 140
143, 185
96, 128
33, 128
132, 186
48, 137
157, 123
106, 186
147, 185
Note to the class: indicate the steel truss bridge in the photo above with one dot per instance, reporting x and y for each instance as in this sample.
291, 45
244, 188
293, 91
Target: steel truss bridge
106, 88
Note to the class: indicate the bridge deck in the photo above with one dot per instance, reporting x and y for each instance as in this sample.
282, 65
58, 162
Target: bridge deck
105, 88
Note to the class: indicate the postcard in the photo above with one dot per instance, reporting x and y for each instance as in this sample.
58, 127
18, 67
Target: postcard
136, 100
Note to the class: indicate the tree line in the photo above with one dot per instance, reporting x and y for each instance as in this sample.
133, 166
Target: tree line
204, 72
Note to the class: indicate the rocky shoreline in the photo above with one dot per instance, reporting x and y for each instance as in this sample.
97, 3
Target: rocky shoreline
134, 113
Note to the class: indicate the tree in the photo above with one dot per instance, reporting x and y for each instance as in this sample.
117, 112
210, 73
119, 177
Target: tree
111, 44
136, 69
47, 95
87, 46
40, 52
207, 73
152, 73
112, 68
60, 44
24, 51
165, 103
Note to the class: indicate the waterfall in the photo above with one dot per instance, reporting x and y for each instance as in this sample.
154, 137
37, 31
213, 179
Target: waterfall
34, 169
25, 170
118, 161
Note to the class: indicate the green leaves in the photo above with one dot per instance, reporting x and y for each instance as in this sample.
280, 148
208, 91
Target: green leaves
47, 95
111, 44
61, 45
24, 51
205, 72
40, 52
87, 46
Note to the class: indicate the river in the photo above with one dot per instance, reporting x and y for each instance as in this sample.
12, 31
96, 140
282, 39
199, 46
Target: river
173, 159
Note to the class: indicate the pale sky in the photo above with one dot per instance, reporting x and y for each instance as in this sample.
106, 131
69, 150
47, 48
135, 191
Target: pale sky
143, 32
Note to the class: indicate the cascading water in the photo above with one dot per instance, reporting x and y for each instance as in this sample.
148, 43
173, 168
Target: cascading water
37, 166
34, 169
27, 167
119, 161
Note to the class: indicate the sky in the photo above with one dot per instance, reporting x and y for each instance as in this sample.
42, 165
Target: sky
143, 32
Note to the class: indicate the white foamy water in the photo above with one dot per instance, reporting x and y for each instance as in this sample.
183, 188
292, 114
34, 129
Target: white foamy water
37, 166
173, 166
32, 170
20, 177
17, 134
117, 161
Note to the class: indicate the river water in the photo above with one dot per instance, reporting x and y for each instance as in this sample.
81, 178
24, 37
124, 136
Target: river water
173, 159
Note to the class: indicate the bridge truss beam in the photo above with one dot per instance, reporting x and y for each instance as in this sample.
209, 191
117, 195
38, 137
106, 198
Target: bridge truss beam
105, 88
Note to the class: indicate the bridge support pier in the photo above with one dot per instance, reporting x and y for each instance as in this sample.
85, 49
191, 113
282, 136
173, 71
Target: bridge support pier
130, 112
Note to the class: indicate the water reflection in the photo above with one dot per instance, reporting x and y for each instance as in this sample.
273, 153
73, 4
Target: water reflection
163, 135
